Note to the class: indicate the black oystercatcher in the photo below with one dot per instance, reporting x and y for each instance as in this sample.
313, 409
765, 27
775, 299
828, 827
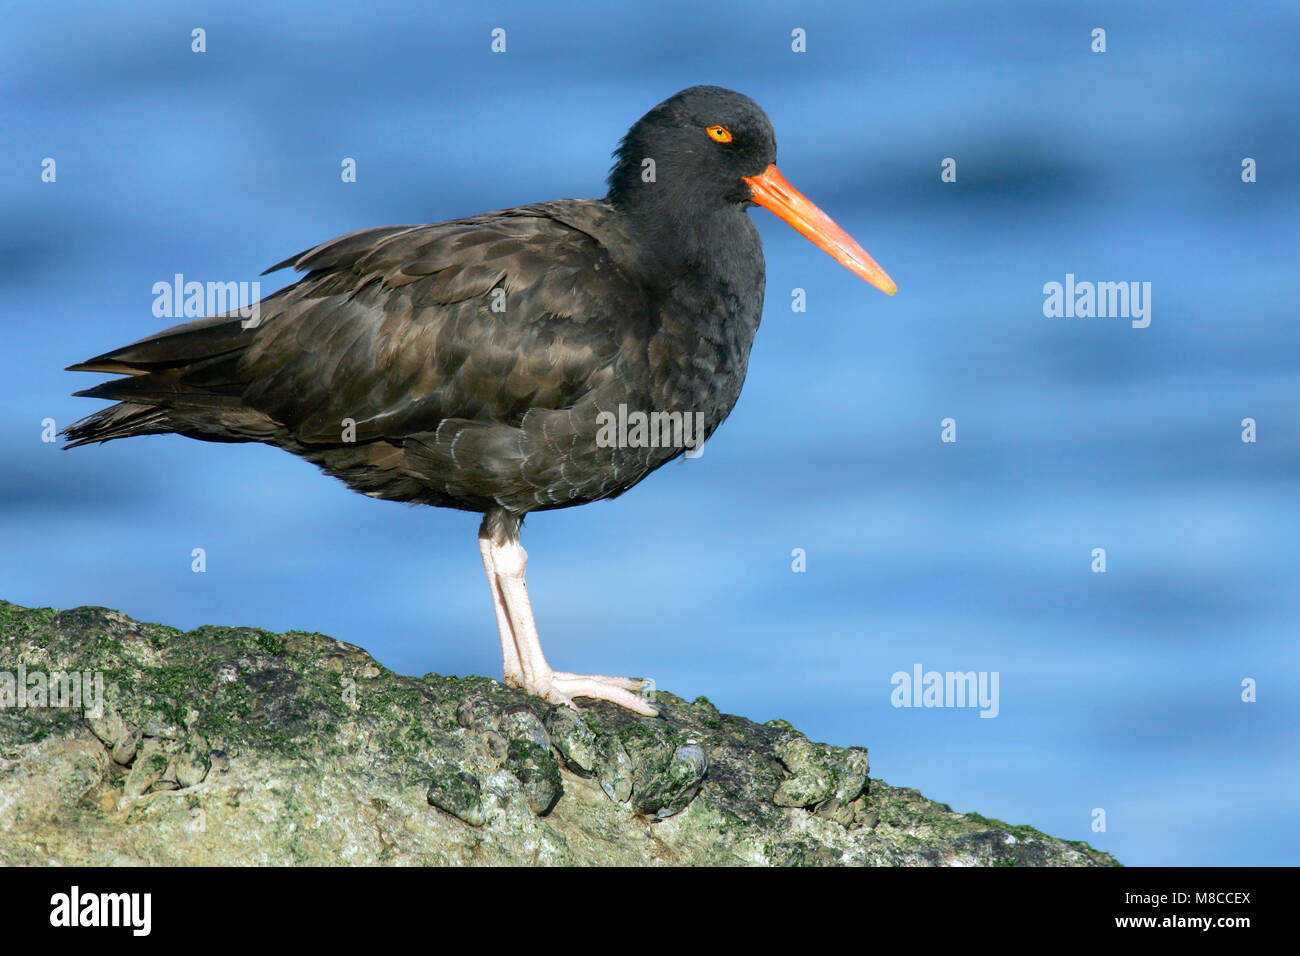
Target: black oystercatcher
480, 364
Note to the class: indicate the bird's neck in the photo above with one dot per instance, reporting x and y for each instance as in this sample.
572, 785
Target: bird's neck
676, 239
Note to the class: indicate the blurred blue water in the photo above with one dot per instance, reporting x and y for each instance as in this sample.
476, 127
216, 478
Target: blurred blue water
1118, 691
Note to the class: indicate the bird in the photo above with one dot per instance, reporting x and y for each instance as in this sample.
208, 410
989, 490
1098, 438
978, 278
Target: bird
505, 363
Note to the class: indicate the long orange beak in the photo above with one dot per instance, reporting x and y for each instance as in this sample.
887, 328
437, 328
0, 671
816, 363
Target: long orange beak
771, 191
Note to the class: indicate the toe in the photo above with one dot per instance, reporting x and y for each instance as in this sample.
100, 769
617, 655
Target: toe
576, 686
626, 683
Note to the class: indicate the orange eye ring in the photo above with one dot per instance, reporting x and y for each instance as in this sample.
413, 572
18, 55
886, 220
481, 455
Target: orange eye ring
719, 134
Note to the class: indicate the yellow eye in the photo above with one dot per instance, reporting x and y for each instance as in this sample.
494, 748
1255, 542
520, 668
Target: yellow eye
720, 134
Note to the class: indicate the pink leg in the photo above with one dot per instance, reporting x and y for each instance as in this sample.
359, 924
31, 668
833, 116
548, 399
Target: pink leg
521, 648
514, 673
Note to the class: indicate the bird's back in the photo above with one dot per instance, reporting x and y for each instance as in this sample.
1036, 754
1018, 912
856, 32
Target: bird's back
469, 364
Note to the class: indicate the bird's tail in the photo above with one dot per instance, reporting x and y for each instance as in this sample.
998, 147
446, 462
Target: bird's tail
123, 420
185, 379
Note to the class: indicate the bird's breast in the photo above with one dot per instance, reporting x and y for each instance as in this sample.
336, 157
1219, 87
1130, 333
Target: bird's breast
698, 353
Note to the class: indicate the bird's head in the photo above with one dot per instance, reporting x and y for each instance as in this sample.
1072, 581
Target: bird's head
708, 148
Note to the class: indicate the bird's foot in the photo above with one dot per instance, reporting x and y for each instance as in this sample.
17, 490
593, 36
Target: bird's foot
562, 687
523, 664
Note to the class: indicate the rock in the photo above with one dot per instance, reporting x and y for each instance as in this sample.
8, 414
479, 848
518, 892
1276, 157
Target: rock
234, 746
810, 778
679, 783
667, 770
529, 758
574, 740
538, 771
851, 774
497, 744
109, 727
148, 769
520, 723
124, 748
191, 765
476, 713
826, 779
457, 792
613, 769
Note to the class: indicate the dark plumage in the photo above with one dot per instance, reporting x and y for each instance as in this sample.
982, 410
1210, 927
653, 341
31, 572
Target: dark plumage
464, 364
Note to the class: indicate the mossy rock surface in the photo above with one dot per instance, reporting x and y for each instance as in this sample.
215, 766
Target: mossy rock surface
233, 745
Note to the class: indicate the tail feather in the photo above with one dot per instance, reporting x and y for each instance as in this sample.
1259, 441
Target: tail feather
184, 379
123, 420
214, 337
205, 384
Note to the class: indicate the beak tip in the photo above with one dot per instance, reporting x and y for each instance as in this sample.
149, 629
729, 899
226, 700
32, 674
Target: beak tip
882, 282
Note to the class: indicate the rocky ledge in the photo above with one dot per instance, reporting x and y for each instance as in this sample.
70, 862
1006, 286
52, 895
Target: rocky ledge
231, 745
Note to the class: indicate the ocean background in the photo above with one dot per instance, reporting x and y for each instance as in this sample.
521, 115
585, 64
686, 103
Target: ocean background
1118, 691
